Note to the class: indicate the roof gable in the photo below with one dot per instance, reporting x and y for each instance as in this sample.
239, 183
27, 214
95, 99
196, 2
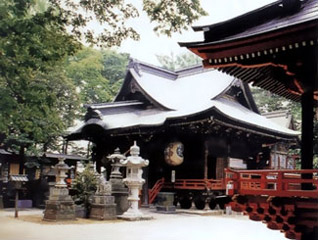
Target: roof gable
190, 88
282, 117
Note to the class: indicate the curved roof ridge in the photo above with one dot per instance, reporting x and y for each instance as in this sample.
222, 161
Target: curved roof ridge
189, 91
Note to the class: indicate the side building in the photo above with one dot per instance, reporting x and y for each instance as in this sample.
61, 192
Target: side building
40, 177
280, 156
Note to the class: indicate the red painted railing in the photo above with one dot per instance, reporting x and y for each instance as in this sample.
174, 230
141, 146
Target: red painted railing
155, 190
282, 183
188, 184
197, 184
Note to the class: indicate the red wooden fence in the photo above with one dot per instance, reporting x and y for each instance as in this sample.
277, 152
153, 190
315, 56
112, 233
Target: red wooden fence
281, 183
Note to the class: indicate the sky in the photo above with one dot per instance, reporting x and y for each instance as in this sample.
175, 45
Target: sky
150, 44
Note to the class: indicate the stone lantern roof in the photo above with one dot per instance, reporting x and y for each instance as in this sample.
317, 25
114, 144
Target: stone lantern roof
135, 160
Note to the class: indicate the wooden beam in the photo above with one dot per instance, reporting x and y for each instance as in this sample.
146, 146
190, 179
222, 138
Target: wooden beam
252, 44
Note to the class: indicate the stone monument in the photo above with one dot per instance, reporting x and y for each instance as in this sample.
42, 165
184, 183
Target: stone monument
103, 205
119, 190
60, 205
134, 181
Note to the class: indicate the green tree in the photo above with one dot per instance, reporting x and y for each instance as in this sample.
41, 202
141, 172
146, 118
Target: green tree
36, 35
97, 74
167, 15
268, 102
85, 185
114, 65
175, 62
85, 68
48, 106
33, 92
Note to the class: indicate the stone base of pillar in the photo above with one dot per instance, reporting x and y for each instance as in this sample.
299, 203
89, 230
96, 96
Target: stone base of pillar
59, 211
103, 208
165, 202
134, 216
166, 209
60, 206
1, 202
103, 212
120, 192
121, 201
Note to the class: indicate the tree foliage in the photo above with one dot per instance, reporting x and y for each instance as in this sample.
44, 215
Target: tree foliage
168, 16
269, 102
174, 62
114, 65
85, 185
37, 100
85, 70
171, 16
97, 74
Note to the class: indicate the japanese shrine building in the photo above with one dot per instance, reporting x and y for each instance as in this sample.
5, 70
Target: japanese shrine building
214, 121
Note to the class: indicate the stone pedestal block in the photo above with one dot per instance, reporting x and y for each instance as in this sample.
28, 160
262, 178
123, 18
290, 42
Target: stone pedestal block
165, 202
80, 211
59, 210
119, 191
103, 208
121, 201
60, 206
1, 202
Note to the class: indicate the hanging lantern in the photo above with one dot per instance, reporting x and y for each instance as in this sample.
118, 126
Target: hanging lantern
174, 153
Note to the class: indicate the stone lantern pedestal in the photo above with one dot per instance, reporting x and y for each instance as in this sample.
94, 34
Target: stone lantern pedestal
119, 190
134, 181
60, 205
103, 206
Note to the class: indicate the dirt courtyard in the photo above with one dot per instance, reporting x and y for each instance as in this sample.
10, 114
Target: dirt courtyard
179, 226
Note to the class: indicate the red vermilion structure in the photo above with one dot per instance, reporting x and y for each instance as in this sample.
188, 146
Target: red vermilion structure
187, 184
276, 48
277, 199
277, 183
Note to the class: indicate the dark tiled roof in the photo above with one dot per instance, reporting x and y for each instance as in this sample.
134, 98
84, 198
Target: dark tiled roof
52, 155
272, 17
67, 157
263, 46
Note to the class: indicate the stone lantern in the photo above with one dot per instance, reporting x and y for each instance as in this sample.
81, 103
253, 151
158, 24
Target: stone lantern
60, 205
61, 168
119, 190
134, 181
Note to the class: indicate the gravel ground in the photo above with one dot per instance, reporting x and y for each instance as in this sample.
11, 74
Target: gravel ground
180, 226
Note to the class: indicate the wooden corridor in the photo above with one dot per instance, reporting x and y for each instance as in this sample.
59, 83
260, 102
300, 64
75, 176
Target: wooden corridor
276, 198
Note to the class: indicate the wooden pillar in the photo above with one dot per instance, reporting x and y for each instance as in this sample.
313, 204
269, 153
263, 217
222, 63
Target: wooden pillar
307, 135
307, 125
16, 215
206, 154
145, 187
65, 146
